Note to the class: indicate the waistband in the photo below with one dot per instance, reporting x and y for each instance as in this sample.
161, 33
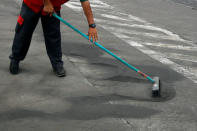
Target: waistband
39, 7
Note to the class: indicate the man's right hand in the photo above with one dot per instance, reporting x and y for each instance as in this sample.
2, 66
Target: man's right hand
48, 7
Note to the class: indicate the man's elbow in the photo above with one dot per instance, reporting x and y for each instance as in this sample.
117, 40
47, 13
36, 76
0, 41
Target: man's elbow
85, 2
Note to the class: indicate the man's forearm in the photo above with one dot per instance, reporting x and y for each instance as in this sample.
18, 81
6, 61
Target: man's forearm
88, 12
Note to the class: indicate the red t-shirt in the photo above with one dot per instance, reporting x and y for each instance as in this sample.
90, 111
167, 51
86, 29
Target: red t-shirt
37, 5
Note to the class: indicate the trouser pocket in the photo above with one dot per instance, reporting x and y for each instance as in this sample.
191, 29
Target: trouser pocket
19, 24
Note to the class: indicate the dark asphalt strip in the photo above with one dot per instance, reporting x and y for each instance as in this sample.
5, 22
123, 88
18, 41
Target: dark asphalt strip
192, 3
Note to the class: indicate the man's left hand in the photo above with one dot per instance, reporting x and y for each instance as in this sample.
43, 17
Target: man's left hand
92, 33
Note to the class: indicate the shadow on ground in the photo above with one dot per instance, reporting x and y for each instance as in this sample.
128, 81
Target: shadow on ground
85, 108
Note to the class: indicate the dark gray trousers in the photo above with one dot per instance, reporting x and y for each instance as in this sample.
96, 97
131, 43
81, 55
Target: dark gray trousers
24, 31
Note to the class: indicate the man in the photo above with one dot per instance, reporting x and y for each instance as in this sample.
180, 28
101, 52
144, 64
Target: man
30, 13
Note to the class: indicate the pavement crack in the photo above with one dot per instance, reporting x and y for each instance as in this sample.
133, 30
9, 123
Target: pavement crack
130, 125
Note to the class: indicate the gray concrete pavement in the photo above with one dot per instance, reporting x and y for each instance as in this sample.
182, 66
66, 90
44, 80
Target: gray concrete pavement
99, 94
176, 17
113, 78
192, 3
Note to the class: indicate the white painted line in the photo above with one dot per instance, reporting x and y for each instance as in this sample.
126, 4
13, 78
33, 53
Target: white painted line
161, 58
129, 16
93, 4
172, 46
74, 7
146, 27
75, 3
121, 33
100, 3
114, 17
190, 73
138, 33
113, 13
181, 57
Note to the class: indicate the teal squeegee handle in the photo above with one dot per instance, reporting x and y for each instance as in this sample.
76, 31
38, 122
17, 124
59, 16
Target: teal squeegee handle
104, 49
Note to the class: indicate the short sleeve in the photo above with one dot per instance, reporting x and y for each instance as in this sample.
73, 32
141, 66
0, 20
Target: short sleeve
83, 0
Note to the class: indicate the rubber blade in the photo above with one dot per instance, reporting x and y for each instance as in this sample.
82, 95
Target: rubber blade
156, 87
